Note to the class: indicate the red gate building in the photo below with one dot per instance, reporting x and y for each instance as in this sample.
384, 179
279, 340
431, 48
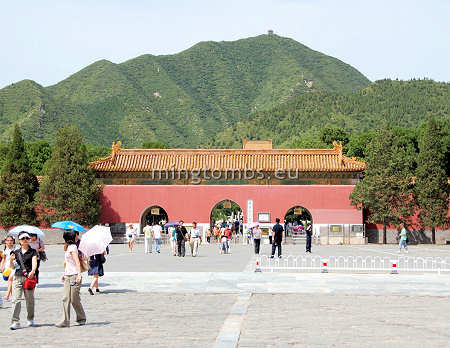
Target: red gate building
186, 184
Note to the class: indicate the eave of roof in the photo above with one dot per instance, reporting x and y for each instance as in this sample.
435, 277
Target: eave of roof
145, 160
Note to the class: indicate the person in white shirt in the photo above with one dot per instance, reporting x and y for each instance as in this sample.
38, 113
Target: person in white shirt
156, 230
72, 282
5, 264
148, 235
131, 236
194, 239
257, 238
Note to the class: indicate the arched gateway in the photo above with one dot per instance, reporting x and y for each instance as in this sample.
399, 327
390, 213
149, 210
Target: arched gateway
264, 181
154, 215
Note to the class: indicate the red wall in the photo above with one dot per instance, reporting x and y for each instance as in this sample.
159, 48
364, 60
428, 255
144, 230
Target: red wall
326, 203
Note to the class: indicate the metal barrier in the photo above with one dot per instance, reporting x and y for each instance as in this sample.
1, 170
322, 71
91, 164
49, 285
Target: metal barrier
355, 264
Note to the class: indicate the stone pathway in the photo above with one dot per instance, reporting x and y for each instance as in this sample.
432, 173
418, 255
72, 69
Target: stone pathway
218, 301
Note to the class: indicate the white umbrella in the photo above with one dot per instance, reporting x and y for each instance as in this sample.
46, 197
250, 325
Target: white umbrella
28, 229
254, 224
95, 240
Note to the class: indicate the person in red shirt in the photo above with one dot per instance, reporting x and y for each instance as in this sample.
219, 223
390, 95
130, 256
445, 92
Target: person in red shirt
228, 233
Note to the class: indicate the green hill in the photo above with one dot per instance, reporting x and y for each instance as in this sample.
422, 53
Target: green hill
401, 103
182, 100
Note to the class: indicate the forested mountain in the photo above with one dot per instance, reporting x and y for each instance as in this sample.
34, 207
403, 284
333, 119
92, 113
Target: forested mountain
181, 99
399, 103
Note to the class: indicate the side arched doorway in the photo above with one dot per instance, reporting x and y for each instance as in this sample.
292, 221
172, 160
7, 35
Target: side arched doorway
154, 215
227, 212
296, 220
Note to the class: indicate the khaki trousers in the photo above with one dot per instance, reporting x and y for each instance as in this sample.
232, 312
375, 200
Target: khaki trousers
193, 242
72, 296
17, 291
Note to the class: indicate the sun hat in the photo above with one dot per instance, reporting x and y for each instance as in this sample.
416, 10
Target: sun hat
23, 235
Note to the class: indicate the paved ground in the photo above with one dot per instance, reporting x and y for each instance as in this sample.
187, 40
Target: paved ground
209, 260
217, 301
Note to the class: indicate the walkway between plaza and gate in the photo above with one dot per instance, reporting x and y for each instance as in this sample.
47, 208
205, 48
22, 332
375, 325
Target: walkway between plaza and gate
212, 272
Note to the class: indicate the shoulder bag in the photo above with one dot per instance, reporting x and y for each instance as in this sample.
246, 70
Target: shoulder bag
42, 254
30, 283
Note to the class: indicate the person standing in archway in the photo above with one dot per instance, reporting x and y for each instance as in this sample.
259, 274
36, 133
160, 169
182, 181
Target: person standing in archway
277, 237
308, 237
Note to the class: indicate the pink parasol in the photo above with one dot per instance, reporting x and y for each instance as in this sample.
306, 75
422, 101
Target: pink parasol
95, 240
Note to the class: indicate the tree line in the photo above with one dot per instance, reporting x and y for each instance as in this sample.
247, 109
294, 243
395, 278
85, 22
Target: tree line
68, 189
405, 184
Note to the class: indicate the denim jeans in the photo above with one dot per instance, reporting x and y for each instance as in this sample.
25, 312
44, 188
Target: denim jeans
402, 242
157, 244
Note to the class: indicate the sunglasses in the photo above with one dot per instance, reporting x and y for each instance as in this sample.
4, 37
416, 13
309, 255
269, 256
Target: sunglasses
26, 238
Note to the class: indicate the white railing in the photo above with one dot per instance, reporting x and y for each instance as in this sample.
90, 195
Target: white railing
354, 264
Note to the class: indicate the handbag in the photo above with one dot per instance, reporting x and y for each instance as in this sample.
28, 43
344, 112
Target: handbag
42, 254
84, 263
30, 283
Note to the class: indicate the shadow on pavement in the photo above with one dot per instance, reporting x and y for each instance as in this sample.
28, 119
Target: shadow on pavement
43, 325
117, 291
97, 323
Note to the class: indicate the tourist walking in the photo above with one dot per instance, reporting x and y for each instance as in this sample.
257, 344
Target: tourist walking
148, 238
217, 233
131, 236
72, 282
403, 239
257, 233
24, 261
308, 237
96, 270
37, 244
229, 234
224, 244
173, 240
5, 266
181, 239
194, 239
208, 236
156, 233
277, 237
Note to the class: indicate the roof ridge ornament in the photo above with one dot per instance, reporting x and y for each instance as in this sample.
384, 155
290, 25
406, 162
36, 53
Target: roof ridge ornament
338, 148
115, 148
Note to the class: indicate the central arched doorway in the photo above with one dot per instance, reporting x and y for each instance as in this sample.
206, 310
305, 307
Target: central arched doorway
154, 215
296, 220
227, 212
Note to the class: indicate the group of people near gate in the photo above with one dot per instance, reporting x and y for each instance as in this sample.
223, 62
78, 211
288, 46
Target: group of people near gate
20, 268
276, 237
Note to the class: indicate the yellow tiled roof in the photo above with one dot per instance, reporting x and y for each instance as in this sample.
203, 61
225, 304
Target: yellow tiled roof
308, 160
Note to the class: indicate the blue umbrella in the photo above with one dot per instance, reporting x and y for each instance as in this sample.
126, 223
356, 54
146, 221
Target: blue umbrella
69, 225
27, 228
171, 224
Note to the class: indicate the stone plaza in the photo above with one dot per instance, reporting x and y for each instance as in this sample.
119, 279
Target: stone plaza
213, 300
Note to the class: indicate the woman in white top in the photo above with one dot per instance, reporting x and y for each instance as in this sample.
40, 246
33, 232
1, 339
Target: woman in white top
173, 240
257, 238
131, 236
72, 281
4, 265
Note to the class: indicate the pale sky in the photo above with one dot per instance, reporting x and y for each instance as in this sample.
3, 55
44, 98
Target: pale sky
47, 41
